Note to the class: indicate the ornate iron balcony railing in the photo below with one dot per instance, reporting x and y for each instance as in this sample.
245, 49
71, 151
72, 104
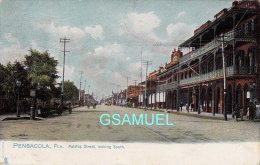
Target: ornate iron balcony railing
168, 86
236, 34
207, 76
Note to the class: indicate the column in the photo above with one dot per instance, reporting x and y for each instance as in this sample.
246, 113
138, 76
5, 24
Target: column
214, 63
233, 44
199, 101
213, 104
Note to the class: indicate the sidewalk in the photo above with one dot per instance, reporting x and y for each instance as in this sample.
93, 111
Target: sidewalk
12, 116
205, 115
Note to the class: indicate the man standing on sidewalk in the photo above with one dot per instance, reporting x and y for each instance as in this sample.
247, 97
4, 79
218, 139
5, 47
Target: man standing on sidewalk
187, 107
252, 110
181, 105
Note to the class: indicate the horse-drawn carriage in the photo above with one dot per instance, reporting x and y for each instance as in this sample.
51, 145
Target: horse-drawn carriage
92, 102
53, 107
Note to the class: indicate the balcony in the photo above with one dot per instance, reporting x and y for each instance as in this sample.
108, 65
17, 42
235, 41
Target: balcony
200, 51
167, 86
211, 75
238, 35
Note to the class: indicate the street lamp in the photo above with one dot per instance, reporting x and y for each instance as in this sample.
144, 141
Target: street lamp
33, 95
18, 84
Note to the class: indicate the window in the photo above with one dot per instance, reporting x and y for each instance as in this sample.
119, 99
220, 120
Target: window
219, 63
252, 60
246, 28
253, 25
250, 26
240, 58
211, 65
229, 60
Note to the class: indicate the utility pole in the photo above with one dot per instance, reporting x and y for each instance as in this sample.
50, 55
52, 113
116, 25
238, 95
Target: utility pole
135, 82
178, 89
141, 74
64, 41
117, 94
147, 63
224, 77
84, 92
88, 94
126, 95
141, 64
80, 86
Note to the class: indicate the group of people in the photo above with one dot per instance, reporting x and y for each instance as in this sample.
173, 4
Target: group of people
92, 104
249, 111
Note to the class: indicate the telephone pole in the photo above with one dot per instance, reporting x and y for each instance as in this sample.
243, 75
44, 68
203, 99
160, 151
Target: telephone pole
126, 95
64, 41
135, 82
84, 92
88, 95
80, 86
141, 74
117, 93
224, 77
147, 63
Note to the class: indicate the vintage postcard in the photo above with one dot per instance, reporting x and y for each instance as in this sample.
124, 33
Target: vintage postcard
156, 82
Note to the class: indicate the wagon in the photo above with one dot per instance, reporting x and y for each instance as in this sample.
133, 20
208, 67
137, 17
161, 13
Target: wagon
53, 108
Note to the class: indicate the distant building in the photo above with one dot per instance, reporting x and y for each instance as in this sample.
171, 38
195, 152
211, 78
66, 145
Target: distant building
89, 100
133, 92
122, 98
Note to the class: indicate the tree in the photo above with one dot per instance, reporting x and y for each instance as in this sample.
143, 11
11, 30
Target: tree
3, 98
2, 79
42, 73
9, 90
71, 92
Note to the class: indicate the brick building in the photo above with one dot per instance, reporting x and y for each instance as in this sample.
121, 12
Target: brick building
196, 78
133, 92
201, 70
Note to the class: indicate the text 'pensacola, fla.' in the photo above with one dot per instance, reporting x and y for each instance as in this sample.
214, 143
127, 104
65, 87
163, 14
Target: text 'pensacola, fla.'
159, 119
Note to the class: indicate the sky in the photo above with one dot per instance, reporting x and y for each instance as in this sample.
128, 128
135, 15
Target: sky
107, 37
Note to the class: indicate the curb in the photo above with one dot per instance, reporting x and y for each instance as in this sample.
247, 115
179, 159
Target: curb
187, 114
199, 115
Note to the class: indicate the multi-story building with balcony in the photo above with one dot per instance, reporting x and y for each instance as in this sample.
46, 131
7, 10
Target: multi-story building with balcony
148, 88
167, 84
161, 86
133, 92
195, 79
201, 70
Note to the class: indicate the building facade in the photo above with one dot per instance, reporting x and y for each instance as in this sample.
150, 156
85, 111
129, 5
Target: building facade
195, 79
132, 95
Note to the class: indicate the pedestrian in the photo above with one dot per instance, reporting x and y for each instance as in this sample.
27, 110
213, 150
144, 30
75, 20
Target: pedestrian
252, 110
236, 112
187, 107
192, 107
181, 105
247, 112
